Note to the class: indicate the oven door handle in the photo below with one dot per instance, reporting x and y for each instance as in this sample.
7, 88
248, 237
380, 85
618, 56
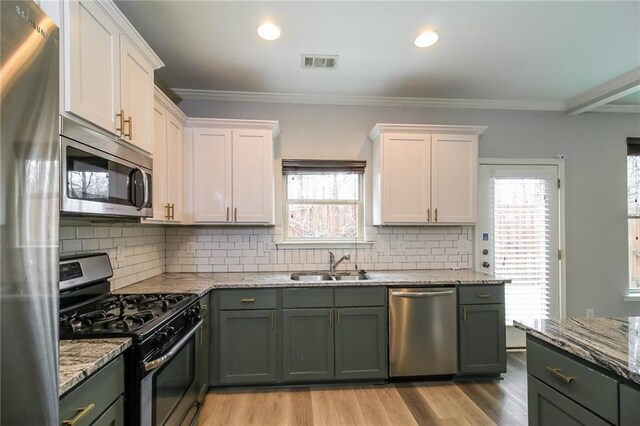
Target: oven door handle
152, 365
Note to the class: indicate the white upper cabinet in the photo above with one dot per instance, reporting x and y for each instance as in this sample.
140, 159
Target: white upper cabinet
424, 174
108, 71
168, 172
233, 171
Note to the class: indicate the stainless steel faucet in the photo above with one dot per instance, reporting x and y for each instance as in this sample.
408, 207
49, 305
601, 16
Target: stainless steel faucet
333, 264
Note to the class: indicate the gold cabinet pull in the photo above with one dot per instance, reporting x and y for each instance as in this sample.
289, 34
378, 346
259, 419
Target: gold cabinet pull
130, 122
247, 300
227, 214
428, 215
235, 214
79, 415
484, 296
273, 319
556, 372
173, 211
167, 212
435, 215
464, 314
120, 117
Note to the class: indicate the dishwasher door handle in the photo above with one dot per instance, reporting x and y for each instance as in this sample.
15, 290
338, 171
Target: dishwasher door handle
420, 294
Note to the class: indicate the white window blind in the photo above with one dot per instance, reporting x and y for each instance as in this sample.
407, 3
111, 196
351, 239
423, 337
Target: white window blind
522, 227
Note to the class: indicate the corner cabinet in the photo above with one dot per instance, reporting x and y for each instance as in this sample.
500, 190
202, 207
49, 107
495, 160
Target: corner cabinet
424, 174
482, 330
168, 140
233, 171
108, 71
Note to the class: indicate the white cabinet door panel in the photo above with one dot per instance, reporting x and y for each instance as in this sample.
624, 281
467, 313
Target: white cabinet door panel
92, 80
159, 162
406, 170
454, 177
252, 176
212, 175
175, 130
136, 95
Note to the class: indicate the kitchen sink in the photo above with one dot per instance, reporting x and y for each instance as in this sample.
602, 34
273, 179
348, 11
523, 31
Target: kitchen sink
327, 276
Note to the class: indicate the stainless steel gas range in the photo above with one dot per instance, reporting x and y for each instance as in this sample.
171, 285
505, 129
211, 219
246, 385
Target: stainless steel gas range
160, 368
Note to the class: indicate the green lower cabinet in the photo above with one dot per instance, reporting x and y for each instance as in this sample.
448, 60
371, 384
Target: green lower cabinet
307, 342
202, 358
361, 343
482, 341
629, 405
248, 346
114, 416
547, 407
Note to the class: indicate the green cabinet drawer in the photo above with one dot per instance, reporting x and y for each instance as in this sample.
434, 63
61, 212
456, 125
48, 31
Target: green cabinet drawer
629, 405
247, 299
307, 297
480, 294
587, 386
548, 407
95, 395
360, 296
114, 416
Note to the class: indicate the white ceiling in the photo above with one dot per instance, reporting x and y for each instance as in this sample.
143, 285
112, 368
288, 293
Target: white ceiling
511, 51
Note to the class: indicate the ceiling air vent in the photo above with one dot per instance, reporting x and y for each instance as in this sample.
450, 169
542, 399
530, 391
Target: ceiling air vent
320, 61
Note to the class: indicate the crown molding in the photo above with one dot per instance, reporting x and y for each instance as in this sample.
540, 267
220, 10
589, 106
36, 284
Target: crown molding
271, 125
380, 128
372, 101
164, 100
631, 109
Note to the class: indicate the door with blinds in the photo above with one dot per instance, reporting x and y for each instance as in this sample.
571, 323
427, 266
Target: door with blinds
518, 237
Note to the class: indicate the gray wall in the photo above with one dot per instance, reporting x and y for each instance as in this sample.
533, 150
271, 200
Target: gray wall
594, 143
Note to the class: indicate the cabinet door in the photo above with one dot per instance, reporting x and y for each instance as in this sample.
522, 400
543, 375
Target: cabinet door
202, 358
406, 175
629, 405
212, 175
252, 176
549, 407
114, 416
247, 346
482, 339
136, 96
307, 344
160, 172
454, 178
92, 64
175, 145
361, 343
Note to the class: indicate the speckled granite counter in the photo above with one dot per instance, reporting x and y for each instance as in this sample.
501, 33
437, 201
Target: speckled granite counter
200, 283
611, 343
79, 359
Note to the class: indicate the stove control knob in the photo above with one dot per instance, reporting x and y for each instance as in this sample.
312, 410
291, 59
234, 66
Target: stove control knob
161, 338
170, 331
197, 313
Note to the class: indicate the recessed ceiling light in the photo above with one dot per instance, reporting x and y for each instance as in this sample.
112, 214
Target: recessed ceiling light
269, 31
427, 38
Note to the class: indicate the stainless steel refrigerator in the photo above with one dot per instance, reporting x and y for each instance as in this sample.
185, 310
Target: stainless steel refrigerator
29, 210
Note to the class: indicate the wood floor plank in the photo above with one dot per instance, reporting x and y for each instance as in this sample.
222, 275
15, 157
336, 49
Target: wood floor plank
501, 402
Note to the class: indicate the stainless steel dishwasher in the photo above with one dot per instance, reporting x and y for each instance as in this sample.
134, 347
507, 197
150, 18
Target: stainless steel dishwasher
422, 331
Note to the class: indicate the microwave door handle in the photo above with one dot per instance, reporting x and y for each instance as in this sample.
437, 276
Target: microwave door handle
145, 183
158, 362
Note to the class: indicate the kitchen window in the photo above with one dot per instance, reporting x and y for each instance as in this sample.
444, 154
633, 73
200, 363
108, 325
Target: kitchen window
324, 200
633, 212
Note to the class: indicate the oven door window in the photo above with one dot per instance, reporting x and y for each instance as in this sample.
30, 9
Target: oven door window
93, 178
172, 382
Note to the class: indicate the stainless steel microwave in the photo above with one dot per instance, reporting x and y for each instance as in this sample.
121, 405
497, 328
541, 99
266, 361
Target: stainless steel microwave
101, 176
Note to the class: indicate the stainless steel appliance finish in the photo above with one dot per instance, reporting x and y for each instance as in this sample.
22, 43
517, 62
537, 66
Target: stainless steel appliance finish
101, 176
28, 215
422, 331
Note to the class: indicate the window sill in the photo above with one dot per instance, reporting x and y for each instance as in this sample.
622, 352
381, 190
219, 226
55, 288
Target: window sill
293, 245
631, 296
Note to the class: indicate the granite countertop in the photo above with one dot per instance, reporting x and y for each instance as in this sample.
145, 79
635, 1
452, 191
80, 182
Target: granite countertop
79, 359
611, 343
201, 283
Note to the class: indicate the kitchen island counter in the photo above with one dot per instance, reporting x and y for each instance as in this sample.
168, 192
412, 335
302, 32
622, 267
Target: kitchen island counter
79, 359
201, 283
610, 343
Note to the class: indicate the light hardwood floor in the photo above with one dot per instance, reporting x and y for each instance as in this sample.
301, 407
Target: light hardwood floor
502, 402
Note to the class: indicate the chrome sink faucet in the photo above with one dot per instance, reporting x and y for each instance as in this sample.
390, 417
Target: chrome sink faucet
333, 264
